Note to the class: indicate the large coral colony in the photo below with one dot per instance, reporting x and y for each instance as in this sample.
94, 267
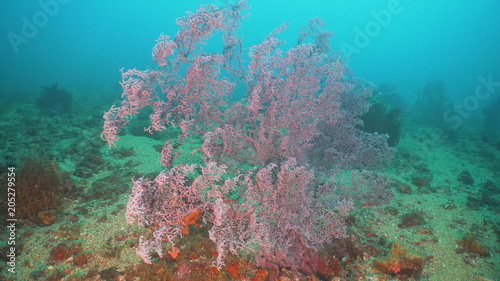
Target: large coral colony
257, 186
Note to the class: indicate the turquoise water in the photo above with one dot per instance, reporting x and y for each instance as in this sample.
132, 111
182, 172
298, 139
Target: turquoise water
84, 44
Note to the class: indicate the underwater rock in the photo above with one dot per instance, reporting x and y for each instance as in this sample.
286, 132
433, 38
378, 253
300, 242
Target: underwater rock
81, 260
382, 241
449, 206
411, 219
109, 274
399, 262
93, 160
470, 243
404, 189
83, 172
465, 177
418, 181
490, 187
392, 210
46, 217
486, 198
63, 251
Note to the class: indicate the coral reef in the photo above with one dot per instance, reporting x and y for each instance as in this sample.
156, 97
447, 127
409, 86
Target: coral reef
53, 100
